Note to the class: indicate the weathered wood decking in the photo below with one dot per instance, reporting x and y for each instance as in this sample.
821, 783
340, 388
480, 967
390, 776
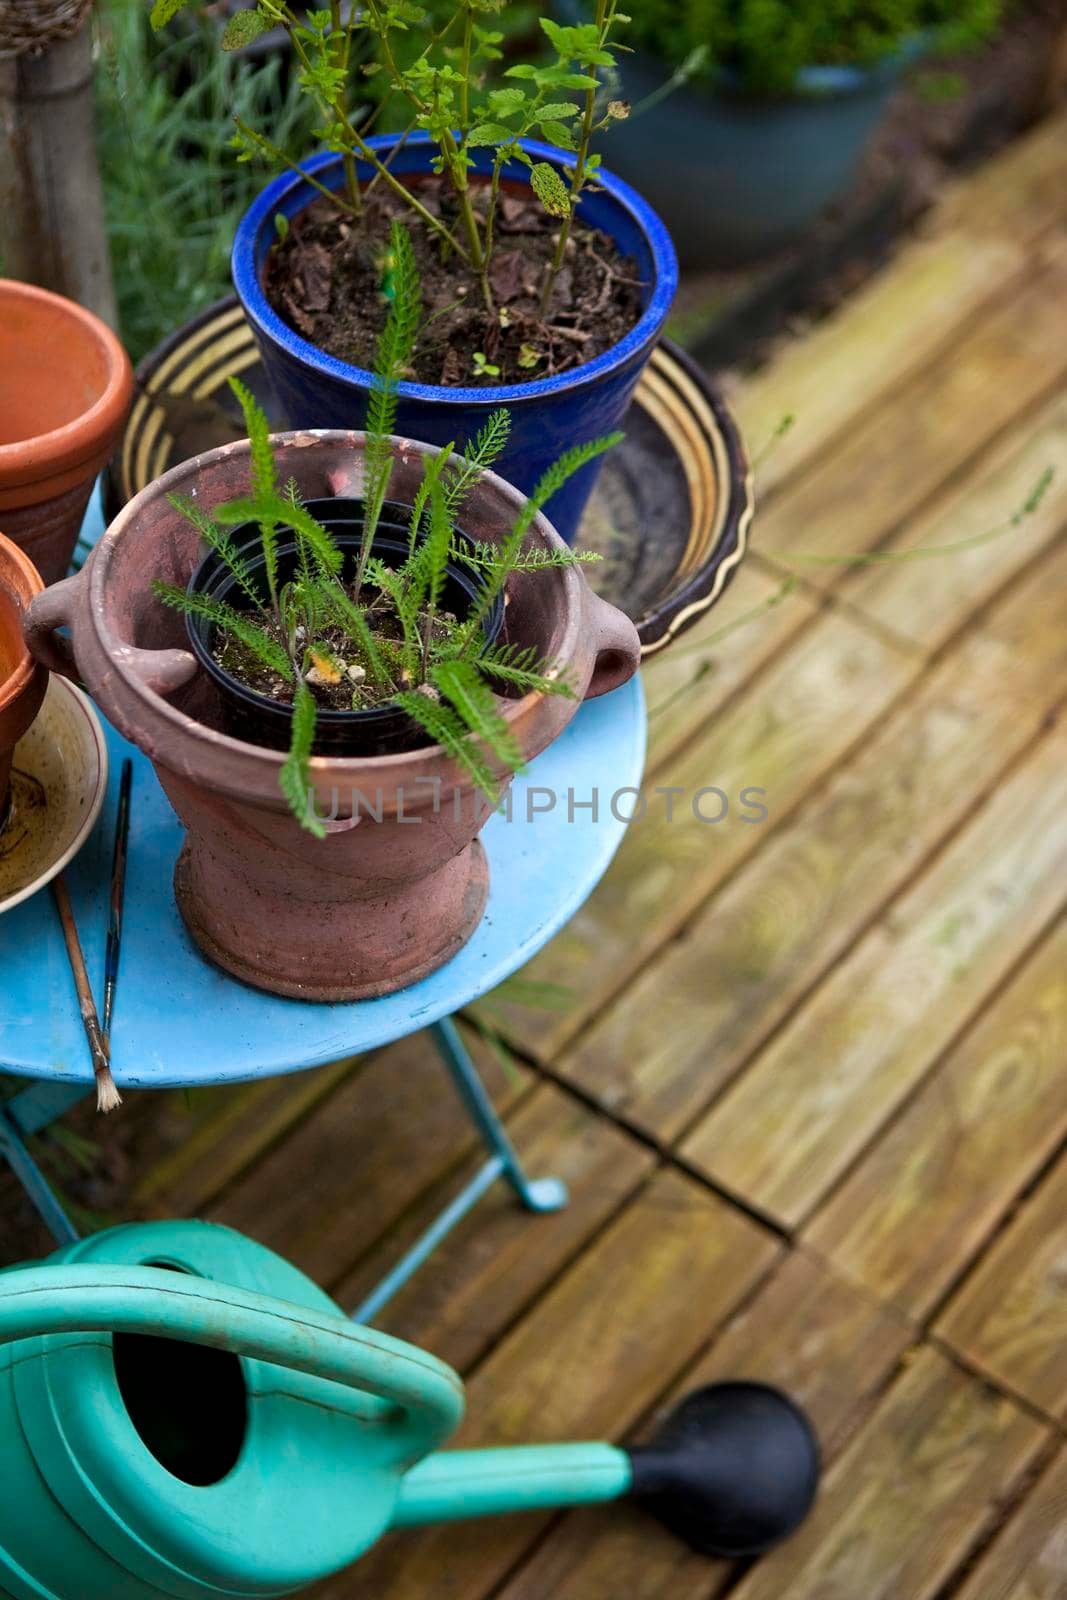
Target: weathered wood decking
810, 1090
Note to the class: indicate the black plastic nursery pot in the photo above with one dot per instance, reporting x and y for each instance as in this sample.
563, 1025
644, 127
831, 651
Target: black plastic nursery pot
257, 719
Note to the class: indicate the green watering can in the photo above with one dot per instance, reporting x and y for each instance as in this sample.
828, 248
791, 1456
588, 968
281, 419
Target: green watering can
183, 1413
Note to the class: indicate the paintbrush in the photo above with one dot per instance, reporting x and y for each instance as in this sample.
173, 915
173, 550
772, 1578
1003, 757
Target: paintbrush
107, 1095
118, 892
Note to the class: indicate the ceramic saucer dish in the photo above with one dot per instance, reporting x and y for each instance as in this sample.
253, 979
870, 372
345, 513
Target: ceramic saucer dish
58, 782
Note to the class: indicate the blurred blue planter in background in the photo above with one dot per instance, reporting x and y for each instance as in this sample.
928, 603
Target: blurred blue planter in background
315, 390
737, 175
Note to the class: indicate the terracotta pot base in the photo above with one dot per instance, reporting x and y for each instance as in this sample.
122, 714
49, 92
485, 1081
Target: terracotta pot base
304, 938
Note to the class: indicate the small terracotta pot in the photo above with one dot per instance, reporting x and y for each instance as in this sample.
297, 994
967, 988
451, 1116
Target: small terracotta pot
67, 385
377, 904
22, 681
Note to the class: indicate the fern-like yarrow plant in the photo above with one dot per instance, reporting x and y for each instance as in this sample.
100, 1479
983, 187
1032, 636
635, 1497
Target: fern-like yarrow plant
380, 635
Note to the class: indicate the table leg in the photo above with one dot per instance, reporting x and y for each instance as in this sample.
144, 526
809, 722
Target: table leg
33, 1180
537, 1194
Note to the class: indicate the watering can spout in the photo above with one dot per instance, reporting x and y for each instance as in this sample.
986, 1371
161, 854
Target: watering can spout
733, 1471
456, 1484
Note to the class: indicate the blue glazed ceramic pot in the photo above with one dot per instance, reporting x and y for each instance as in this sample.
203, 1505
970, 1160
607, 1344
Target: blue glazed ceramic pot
737, 175
316, 390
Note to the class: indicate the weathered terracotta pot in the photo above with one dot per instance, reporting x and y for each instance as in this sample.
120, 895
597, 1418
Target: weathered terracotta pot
67, 385
376, 905
22, 681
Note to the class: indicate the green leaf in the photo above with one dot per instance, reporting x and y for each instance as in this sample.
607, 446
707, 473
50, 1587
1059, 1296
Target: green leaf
348, 615
395, 349
562, 137
431, 471
506, 102
442, 725
558, 109
164, 10
521, 669
262, 646
437, 545
316, 540
489, 444
461, 684
217, 539
406, 605
487, 133
264, 477
294, 779
242, 28
581, 44
558, 37
509, 552
572, 80
273, 510
550, 189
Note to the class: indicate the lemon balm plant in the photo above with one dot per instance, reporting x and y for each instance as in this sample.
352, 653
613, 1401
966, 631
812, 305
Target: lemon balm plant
445, 94
547, 280
313, 623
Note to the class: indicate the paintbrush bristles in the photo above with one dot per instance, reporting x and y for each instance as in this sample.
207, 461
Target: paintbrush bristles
107, 1095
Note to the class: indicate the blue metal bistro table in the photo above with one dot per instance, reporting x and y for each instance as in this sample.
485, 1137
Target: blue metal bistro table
181, 1023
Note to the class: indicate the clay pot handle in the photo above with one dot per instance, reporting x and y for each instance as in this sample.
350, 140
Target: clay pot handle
617, 646
65, 604
46, 612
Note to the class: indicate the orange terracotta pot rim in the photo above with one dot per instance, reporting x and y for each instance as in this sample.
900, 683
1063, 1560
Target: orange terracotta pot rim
34, 462
26, 668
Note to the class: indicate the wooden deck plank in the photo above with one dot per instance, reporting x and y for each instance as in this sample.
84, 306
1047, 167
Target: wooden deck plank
903, 1505
500, 1256
789, 1129
1029, 1559
918, 1208
894, 460
924, 601
827, 1344
198, 1145
782, 735
805, 897
586, 1362
690, 683
1010, 1318
976, 244
362, 1157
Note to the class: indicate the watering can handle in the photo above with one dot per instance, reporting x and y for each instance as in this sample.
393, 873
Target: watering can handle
72, 1298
